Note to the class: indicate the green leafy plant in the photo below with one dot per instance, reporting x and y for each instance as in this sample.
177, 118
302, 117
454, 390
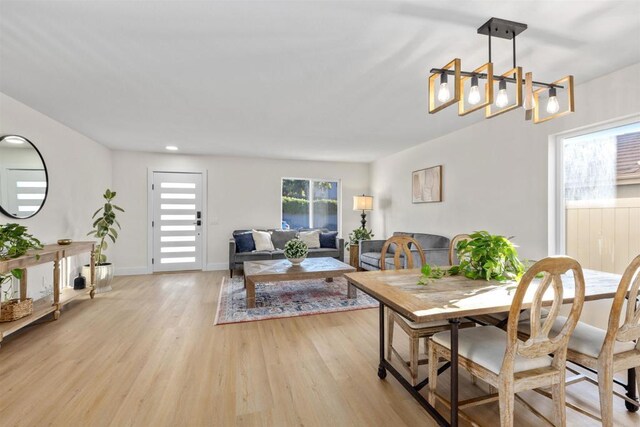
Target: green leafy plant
105, 226
430, 272
359, 234
295, 248
15, 242
489, 257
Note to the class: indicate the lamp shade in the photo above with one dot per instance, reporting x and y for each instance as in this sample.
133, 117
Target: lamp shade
362, 203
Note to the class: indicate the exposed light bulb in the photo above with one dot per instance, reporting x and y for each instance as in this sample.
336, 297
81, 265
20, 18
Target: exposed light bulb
474, 92
552, 104
443, 92
502, 99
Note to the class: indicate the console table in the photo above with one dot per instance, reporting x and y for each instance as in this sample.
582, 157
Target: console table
49, 253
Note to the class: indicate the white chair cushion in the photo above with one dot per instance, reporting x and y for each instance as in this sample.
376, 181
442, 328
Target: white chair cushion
432, 324
585, 339
524, 316
486, 346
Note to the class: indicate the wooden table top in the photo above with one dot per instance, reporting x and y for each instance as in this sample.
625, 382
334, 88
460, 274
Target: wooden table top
48, 253
281, 267
457, 296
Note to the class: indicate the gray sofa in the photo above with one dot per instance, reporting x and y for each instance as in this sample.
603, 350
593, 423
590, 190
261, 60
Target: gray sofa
236, 259
435, 248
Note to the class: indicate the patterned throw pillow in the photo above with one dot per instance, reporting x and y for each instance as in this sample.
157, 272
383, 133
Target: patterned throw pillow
311, 238
328, 239
244, 242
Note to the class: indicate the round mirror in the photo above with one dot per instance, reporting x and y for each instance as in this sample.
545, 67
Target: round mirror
23, 177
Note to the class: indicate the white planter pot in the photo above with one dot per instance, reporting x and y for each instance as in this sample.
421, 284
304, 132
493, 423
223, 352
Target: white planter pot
296, 261
104, 276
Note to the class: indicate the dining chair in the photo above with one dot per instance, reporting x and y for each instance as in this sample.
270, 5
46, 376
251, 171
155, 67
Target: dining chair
612, 350
509, 364
403, 256
452, 246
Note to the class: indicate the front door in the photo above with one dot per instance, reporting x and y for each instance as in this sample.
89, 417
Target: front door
177, 221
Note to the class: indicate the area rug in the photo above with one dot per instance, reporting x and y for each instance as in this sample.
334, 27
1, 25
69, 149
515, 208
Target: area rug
286, 299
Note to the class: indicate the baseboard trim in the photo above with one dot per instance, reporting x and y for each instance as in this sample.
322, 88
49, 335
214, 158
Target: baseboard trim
215, 266
131, 271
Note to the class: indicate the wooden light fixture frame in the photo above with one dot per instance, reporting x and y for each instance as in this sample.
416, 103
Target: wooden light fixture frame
488, 89
517, 71
570, 109
455, 64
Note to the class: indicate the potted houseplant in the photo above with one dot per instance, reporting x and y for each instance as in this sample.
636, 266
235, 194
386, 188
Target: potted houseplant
354, 242
14, 242
482, 257
104, 227
295, 250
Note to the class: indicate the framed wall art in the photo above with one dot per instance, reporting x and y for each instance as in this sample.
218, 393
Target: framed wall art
426, 185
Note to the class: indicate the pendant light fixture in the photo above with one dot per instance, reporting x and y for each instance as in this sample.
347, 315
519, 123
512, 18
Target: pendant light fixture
511, 84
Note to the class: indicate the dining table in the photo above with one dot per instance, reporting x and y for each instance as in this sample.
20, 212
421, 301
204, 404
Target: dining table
454, 298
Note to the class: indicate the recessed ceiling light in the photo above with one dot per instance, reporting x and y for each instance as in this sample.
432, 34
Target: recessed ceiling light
14, 140
171, 148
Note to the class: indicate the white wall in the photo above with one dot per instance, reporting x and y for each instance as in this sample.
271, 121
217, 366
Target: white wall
242, 193
495, 172
79, 170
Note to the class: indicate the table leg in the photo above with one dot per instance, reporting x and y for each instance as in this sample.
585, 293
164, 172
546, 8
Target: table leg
632, 393
92, 271
23, 285
251, 293
455, 323
352, 291
56, 288
382, 372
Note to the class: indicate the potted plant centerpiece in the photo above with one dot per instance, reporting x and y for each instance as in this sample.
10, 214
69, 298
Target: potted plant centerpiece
14, 242
483, 256
104, 226
295, 250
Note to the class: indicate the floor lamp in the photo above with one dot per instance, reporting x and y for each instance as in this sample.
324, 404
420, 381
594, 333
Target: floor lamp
363, 203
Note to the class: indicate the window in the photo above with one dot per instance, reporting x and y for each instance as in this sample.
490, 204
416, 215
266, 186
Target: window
600, 196
309, 203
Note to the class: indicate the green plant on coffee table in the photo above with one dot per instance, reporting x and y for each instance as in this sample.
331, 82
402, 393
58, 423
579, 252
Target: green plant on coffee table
359, 234
489, 257
295, 248
15, 242
105, 226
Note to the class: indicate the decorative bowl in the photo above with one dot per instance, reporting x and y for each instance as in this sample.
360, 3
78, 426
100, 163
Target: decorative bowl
65, 241
296, 261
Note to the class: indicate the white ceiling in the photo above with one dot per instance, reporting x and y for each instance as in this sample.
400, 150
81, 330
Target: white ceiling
320, 80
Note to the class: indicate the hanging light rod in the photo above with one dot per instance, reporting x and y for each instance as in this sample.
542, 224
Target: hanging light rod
522, 92
484, 76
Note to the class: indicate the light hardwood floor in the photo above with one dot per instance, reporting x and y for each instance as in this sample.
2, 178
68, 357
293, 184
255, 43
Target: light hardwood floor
147, 354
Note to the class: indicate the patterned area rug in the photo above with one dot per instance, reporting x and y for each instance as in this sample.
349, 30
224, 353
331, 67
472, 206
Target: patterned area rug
286, 299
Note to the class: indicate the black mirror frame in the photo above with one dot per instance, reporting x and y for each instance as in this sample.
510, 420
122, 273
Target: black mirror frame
46, 175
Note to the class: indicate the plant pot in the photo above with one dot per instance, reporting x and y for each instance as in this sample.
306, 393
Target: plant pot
15, 309
296, 261
104, 276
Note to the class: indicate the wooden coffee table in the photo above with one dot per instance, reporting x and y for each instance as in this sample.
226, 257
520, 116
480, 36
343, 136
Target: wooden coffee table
280, 270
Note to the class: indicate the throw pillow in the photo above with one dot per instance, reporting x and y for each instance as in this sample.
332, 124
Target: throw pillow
328, 240
311, 238
244, 242
262, 240
280, 237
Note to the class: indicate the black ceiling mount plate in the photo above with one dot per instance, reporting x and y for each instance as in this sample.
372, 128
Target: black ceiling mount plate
502, 28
